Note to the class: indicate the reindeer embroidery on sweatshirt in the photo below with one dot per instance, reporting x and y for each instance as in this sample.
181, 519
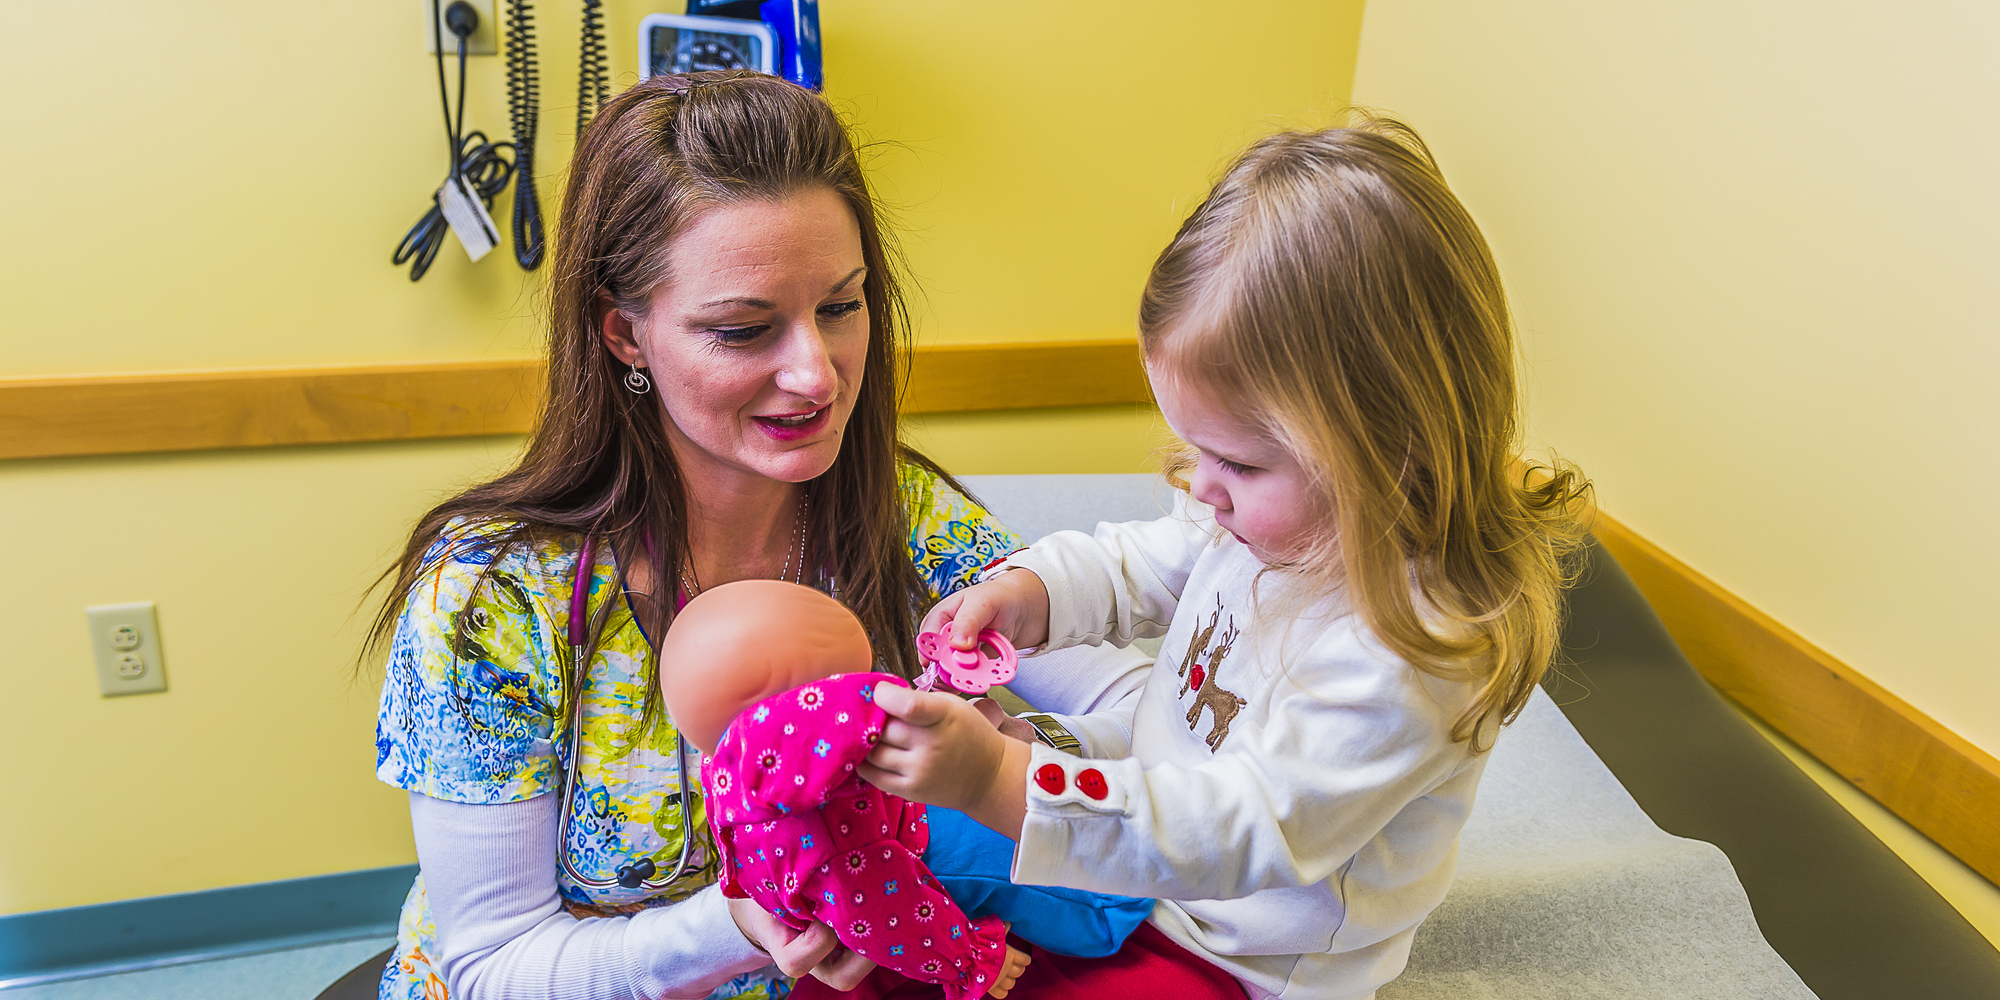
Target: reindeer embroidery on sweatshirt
1222, 704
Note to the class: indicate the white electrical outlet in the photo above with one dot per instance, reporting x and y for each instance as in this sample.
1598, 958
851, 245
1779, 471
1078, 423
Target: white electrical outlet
126, 641
484, 41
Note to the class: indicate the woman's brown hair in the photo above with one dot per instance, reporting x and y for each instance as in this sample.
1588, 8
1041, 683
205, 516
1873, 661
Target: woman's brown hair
1333, 289
598, 461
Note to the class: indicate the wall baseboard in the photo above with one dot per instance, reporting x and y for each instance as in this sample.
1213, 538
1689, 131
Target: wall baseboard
250, 408
133, 934
1936, 780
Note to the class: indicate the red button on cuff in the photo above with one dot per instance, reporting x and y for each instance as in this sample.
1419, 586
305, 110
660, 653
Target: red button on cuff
1090, 781
1050, 778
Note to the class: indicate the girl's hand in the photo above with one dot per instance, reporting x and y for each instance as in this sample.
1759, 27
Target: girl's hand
1020, 729
812, 951
1014, 604
942, 751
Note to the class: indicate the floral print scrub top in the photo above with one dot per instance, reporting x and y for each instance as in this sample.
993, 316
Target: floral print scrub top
469, 712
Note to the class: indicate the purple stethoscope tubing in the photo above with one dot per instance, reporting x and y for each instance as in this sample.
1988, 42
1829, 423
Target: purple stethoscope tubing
579, 594
637, 874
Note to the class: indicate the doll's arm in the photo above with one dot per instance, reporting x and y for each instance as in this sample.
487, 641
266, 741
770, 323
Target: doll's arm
882, 902
725, 865
914, 833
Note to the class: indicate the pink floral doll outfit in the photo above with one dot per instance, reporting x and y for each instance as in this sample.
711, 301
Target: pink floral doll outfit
804, 836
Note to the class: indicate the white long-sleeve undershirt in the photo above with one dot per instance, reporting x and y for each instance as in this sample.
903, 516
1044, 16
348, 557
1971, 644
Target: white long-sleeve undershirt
502, 934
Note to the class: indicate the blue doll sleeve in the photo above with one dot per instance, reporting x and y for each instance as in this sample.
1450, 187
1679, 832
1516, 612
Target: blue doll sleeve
975, 864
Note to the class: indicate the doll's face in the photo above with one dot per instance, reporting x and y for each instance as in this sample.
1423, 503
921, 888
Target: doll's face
742, 642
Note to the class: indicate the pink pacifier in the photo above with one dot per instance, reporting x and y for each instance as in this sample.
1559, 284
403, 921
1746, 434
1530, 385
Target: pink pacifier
969, 670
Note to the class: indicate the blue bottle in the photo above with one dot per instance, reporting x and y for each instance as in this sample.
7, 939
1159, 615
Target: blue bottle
796, 23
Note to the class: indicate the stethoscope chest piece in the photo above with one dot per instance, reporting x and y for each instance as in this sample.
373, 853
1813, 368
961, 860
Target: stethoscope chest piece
634, 875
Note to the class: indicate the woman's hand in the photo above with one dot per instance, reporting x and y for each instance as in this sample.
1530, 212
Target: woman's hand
1014, 604
813, 951
942, 751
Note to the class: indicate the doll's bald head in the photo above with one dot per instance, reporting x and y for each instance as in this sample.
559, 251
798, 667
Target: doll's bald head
742, 642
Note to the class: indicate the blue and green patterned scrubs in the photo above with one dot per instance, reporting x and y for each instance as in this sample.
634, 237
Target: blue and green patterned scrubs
474, 687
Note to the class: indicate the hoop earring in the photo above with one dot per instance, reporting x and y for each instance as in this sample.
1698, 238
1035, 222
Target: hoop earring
636, 381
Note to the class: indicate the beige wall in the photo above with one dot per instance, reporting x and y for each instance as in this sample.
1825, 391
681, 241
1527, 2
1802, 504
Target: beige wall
210, 185
1753, 248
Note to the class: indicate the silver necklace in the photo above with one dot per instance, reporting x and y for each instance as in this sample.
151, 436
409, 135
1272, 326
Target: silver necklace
691, 586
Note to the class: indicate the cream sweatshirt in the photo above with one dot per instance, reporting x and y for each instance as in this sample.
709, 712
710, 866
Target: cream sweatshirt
1291, 792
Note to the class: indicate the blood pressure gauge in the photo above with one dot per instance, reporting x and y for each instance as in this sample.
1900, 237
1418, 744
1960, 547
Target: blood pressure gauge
780, 37
683, 43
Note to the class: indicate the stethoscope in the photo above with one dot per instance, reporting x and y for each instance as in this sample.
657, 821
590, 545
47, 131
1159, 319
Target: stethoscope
639, 874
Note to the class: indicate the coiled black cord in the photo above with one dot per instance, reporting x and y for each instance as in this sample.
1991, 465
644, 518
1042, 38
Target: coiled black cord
473, 157
486, 172
593, 82
524, 111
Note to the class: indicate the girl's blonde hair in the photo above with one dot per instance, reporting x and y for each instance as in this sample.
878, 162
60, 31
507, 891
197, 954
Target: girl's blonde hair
1333, 290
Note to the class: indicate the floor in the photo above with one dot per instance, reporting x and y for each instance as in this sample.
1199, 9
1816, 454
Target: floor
294, 974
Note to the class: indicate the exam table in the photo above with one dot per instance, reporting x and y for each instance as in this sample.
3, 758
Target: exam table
1586, 869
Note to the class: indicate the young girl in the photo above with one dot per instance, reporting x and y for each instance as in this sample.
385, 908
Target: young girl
1361, 585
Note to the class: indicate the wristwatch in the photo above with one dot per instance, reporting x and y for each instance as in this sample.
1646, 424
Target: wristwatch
1053, 733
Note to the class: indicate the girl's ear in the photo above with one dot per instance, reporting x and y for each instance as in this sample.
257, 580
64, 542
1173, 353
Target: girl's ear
614, 327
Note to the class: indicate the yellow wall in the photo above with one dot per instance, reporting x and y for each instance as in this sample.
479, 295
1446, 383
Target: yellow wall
209, 184
1752, 248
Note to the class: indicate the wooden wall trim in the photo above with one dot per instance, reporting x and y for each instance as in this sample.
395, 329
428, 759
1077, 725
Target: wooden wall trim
248, 408
1936, 780
952, 378
183, 411
1933, 778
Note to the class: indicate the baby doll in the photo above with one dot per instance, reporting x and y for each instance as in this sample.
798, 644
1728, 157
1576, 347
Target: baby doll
770, 681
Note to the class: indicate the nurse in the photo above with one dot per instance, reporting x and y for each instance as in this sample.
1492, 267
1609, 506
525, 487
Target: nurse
723, 336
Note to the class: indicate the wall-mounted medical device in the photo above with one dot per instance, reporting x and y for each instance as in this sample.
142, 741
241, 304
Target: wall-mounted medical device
686, 43
480, 169
780, 37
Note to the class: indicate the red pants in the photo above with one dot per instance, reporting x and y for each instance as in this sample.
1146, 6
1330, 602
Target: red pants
1149, 965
